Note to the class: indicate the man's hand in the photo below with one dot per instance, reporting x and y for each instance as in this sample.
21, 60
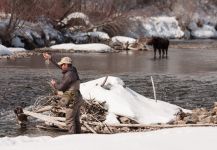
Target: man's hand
53, 83
46, 56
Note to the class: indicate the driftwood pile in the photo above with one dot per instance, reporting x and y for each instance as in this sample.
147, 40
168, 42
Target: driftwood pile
198, 116
93, 115
137, 45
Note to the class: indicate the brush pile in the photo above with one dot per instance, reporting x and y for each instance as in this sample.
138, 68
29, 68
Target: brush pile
197, 116
93, 117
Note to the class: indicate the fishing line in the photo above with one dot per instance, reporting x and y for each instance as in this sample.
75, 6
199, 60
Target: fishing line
47, 64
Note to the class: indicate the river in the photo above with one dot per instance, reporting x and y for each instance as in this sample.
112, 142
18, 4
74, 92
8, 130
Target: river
188, 78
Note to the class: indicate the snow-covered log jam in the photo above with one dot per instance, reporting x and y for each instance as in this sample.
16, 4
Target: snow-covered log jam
136, 74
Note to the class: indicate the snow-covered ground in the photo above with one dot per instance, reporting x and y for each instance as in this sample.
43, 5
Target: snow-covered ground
199, 138
92, 47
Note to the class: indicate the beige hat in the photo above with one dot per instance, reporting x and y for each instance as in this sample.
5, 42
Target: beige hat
65, 60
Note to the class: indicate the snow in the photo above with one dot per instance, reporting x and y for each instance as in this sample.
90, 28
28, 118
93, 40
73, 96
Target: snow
100, 35
206, 31
123, 39
123, 101
199, 138
75, 15
162, 26
92, 47
16, 42
4, 51
9, 51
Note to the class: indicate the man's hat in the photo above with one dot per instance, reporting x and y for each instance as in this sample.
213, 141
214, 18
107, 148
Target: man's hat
65, 60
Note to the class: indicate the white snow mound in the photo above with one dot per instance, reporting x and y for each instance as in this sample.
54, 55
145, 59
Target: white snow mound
92, 47
123, 101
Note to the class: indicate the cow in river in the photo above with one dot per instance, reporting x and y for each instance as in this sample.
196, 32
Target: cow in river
160, 44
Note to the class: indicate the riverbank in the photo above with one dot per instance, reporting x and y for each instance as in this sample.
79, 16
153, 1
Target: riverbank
174, 44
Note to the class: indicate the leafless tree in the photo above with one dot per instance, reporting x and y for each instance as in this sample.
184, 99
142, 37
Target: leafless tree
17, 12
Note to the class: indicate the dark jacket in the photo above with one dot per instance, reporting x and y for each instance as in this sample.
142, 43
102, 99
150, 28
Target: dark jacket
70, 79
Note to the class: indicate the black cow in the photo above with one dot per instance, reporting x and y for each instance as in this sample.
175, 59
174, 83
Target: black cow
160, 44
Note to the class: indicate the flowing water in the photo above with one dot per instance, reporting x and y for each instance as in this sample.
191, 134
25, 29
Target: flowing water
188, 78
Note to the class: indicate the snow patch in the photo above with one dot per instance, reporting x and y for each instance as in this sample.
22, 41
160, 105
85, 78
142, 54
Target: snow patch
4, 51
100, 35
92, 47
162, 26
198, 138
123, 39
206, 31
123, 101
9, 51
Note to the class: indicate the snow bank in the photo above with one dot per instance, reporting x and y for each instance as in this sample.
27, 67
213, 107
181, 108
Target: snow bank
4, 51
92, 47
16, 49
124, 101
206, 31
123, 39
168, 139
157, 26
9, 51
163, 26
100, 35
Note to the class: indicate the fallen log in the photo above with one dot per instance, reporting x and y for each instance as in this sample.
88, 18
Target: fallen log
88, 127
57, 121
43, 109
153, 126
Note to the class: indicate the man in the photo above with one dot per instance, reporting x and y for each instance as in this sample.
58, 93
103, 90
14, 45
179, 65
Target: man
71, 98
